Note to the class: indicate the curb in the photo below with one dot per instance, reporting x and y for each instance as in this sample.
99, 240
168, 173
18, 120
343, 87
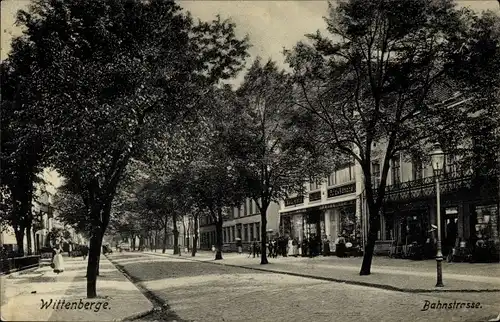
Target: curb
142, 313
139, 315
343, 281
158, 303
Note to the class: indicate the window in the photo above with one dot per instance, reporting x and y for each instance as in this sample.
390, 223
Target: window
331, 179
245, 232
451, 163
251, 232
375, 173
396, 170
253, 207
233, 235
257, 229
239, 230
343, 175
417, 168
314, 184
224, 235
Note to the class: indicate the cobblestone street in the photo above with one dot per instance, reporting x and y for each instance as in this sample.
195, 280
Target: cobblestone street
199, 291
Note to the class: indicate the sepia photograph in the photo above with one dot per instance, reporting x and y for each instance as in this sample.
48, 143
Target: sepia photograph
232, 160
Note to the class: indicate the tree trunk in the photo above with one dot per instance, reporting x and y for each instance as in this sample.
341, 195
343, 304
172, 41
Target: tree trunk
156, 240
218, 236
374, 223
141, 242
28, 239
195, 241
263, 235
93, 262
176, 235
164, 239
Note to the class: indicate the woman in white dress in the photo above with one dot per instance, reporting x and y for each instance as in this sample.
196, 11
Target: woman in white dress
58, 262
289, 247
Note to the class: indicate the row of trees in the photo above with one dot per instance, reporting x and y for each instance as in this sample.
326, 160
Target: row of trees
126, 101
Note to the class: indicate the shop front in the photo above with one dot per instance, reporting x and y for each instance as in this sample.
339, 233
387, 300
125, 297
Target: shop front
469, 222
328, 221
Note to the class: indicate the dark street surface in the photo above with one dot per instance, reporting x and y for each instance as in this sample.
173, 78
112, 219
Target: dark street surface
197, 291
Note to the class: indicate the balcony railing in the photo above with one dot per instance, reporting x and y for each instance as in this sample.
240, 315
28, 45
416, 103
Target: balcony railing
294, 201
426, 187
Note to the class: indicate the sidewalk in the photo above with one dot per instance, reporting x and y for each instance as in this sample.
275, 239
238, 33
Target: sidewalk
387, 273
23, 293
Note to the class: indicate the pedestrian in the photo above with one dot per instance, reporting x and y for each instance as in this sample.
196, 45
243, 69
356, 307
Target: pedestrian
85, 251
254, 248
58, 262
304, 247
295, 247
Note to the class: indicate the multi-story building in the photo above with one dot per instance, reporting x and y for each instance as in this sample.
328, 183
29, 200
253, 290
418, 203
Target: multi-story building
44, 218
242, 223
469, 203
329, 207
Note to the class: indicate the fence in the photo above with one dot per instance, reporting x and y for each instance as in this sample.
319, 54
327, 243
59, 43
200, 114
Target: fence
10, 265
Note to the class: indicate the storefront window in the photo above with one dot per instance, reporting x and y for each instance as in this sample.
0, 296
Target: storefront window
396, 170
348, 222
486, 226
286, 225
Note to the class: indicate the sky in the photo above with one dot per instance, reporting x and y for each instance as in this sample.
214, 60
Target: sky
271, 25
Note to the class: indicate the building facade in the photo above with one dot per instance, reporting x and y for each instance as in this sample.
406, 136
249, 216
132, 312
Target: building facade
242, 223
330, 207
469, 203
44, 219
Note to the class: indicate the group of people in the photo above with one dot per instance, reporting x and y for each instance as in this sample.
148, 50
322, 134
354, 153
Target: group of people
284, 246
278, 246
314, 246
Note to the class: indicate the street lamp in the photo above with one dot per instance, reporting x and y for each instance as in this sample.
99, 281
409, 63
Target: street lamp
437, 157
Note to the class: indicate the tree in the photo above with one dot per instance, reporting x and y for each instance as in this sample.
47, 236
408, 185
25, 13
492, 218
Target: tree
382, 76
21, 148
271, 166
110, 75
215, 185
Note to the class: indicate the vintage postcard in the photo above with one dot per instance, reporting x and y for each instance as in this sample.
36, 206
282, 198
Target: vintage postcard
324, 160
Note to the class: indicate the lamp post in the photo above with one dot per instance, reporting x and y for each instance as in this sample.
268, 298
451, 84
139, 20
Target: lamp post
437, 157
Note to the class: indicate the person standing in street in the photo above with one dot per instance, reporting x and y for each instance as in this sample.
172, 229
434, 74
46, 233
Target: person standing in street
58, 261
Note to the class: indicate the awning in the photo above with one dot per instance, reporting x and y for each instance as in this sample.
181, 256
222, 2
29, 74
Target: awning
348, 203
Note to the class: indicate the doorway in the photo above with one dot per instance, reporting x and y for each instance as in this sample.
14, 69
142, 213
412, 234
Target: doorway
449, 230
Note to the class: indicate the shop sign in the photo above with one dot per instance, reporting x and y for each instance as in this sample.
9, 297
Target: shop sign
294, 201
315, 196
343, 190
451, 211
